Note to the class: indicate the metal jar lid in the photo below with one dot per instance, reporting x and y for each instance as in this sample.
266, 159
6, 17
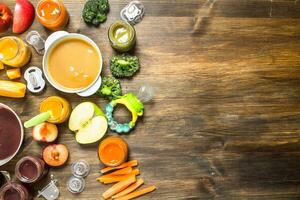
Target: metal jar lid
80, 168
76, 184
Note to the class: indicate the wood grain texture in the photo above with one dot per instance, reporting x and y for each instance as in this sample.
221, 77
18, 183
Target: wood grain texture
224, 123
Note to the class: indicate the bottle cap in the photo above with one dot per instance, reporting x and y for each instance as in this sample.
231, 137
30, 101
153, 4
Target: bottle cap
80, 168
34, 39
133, 12
34, 77
76, 184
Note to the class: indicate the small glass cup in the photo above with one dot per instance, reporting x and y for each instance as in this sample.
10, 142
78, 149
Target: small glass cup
14, 190
59, 107
14, 51
121, 36
30, 169
52, 14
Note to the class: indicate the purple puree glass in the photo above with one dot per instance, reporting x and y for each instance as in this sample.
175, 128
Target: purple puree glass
30, 169
14, 191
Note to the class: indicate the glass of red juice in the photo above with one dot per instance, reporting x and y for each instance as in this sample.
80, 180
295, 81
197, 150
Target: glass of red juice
30, 169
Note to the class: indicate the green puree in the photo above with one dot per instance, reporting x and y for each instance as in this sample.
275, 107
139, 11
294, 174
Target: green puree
122, 36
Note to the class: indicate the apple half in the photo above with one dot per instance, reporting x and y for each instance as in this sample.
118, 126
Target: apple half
89, 123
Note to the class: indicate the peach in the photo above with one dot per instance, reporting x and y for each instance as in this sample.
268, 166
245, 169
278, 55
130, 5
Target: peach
45, 132
55, 154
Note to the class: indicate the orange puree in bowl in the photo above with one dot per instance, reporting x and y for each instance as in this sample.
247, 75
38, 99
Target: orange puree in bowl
74, 63
113, 151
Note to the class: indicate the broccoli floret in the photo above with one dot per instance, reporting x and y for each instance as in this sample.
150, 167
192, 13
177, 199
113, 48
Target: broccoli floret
124, 65
110, 88
94, 11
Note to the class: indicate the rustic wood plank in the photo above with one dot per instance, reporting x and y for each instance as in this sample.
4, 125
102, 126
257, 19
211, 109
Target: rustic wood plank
224, 123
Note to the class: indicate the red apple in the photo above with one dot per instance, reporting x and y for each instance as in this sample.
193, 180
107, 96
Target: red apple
23, 16
5, 17
45, 132
56, 154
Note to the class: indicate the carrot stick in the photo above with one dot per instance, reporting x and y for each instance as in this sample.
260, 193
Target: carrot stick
13, 73
112, 179
118, 187
126, 170
131, 188
131, 163
137, 193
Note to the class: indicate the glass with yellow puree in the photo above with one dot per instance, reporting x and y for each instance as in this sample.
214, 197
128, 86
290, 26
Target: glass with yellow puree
121, 36
59, 107
14, 51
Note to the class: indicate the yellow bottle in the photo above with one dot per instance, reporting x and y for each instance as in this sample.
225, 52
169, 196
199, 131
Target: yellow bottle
14, 51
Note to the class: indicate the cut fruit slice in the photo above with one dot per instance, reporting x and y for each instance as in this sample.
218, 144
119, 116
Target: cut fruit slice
81, 115
45, 132
93, 131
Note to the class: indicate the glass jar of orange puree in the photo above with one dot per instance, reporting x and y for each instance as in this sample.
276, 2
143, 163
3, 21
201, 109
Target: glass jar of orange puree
52, 14
59, 107
14, 51
113, 151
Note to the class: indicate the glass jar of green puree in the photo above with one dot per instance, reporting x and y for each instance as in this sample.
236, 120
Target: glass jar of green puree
121, 36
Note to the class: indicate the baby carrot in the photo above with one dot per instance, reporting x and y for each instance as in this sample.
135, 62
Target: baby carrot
131, 188
131, 163
137, 193
118, 187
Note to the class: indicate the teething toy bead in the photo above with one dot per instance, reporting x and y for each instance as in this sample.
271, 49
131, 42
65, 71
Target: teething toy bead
109, 108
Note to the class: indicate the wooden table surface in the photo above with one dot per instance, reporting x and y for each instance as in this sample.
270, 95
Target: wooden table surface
224, 122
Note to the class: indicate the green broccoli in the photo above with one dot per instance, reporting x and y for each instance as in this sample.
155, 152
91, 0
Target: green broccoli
94, 11
110, 88
124, 65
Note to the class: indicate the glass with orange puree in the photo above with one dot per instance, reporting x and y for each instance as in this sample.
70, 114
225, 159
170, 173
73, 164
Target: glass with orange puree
59, 107
14, 51
113, 151
52, 14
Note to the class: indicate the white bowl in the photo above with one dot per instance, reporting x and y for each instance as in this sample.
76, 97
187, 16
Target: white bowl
54, 39
6, 160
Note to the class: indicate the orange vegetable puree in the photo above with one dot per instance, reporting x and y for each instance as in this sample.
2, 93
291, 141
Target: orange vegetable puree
59, 107
113, 151
74, 63
8, 48
14, 51
49, 10
52, 14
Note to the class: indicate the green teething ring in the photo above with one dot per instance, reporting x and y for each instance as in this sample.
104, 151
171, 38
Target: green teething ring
133, 104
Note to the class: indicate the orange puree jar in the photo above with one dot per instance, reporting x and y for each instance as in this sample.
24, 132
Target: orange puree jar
52, 14
59, 107
14, 51
113, 151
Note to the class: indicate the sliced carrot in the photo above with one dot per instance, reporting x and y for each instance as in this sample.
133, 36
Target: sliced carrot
112, 179
1, 65
13, 73
118, 187
131, 163
137, 193
131, 188
126, 170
